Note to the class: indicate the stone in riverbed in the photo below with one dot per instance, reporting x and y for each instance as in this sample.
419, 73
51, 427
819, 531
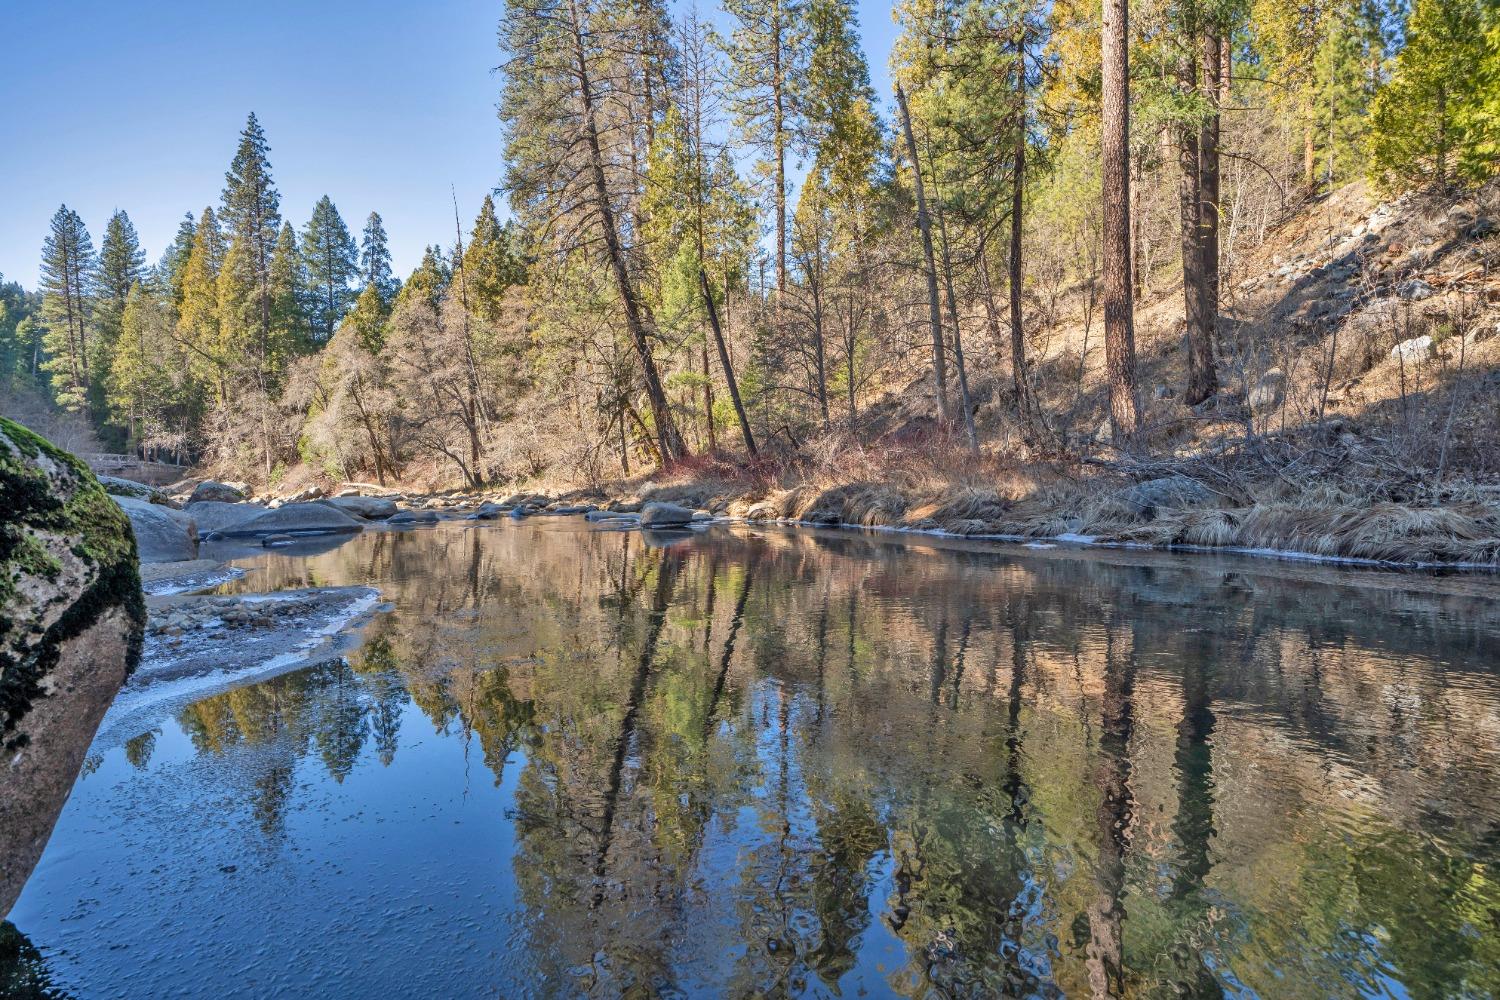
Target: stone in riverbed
486, 512
216, 516
115, 486
161, 533
658, 514
415, 517
369, 508
221, 492
71, 622
296, 519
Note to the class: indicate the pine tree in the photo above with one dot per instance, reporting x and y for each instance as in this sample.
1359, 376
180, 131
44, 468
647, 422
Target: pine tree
375, 260
122, 263
141, 386
198, 312
767, 55
428, 282
174, 260
1417, 133
332, 263
67, 289
251, 210
491, 263
291, 298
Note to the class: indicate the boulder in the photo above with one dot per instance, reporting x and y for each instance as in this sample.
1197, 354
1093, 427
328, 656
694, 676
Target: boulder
486, 512
296, 519
280, 538
1168, 492
117, 487
303, 496
369, 508
610, 515
212, 516
221, 492
71, 622
161, 533
658, 514
1415, 290
415, 517
1269, 392
1413, 351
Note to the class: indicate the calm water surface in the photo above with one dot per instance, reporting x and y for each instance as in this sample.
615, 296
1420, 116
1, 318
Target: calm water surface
580, 762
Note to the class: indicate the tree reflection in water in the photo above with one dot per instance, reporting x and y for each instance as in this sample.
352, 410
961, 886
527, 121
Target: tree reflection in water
767, 763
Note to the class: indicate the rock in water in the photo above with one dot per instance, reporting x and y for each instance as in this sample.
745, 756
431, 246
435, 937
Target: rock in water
71, 620
214, 515
369, 508
664, 515
296, 519
161, 533
210, 490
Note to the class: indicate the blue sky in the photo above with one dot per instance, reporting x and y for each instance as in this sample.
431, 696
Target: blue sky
379, 104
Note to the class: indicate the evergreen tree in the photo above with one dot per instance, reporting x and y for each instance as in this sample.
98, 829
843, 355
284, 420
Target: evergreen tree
67, 288
20, 337
767, 58
491, 264
332, 263
144, 383
375, 260
428, 282
291, 298
172, 267
122, 263
252, 210
1417, 133
198, 312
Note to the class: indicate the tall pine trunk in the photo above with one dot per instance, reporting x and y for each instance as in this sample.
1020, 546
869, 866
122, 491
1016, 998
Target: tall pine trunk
1189, 217
924, 226
669, 441
1119, 319
1025, 403
734, 389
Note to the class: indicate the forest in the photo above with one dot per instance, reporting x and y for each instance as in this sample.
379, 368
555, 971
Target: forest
717, 248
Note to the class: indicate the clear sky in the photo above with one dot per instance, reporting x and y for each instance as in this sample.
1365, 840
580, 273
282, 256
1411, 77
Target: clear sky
380, 104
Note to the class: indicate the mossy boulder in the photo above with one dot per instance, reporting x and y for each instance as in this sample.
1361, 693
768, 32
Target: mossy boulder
71, 622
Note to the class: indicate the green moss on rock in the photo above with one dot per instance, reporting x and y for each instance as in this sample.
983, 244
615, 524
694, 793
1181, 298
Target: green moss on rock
67, 557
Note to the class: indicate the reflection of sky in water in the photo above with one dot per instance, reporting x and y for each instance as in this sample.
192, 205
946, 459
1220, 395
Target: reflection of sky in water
568, 762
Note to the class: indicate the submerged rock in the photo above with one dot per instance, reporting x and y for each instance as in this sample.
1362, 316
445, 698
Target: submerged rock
161, 533
71, 620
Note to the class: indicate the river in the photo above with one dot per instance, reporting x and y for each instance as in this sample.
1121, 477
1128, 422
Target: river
763, 761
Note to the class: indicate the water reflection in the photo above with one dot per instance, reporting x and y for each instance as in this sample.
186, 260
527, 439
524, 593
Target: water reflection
766, 763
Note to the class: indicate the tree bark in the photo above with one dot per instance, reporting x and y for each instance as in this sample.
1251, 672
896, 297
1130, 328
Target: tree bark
729, 380
924, 225
1119, 319
1204, 382
1025, 404
1189, 210
669, 441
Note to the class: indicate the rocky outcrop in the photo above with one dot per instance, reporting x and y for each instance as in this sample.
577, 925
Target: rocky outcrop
161, 533
71, 620
1145, 500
